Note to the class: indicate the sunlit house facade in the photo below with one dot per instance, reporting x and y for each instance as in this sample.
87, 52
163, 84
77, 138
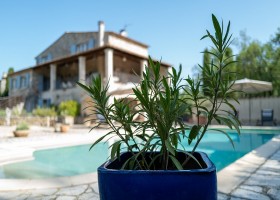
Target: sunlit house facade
78, 56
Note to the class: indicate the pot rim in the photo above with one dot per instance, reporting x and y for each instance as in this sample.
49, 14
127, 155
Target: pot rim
210, 168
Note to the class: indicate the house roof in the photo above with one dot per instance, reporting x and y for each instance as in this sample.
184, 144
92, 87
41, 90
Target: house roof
63, 35
82, 34
127, 39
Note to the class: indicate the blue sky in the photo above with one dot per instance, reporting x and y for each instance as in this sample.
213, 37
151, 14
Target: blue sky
172, 29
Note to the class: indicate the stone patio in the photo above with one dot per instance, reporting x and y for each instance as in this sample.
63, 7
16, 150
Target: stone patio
263, 184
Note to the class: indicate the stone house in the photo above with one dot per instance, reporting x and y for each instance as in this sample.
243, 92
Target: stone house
78, 56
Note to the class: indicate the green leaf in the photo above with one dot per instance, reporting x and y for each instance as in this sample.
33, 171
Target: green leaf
84, 87
174, 139
235, 123
153, 160
225, 120
127, 163
203, 37
193, 133
97, 141
176, 162
169, 147
190, 155
115, 149
217, 29
226, 134
231, 106
213, 39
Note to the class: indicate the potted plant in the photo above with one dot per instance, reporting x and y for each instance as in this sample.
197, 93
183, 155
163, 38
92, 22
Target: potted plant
48, 113
22, 130
68, 110
64, 128
146, 159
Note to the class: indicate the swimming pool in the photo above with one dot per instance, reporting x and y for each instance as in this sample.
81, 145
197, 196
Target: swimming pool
70, 161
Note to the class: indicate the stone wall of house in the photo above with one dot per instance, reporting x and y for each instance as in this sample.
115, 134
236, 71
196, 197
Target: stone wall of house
128, 46
39, 121
58, 96
20, 83
10, 101
65, 44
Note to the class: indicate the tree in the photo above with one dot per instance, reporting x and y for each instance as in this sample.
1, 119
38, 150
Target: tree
206, 61
196, 72
273, 57
250, 61
261, 62
244, 40
6, 91
230, 72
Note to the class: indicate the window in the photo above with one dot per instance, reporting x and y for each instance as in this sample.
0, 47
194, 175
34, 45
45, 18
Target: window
46, 103
77, 48
81, 47
91, 43
13, 86
45, 58
23, 82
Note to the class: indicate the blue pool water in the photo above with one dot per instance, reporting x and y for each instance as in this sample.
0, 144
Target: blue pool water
66, 161
220, 150
70, 161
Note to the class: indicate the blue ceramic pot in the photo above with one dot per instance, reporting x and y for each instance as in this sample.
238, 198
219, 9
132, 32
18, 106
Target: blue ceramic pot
194, 184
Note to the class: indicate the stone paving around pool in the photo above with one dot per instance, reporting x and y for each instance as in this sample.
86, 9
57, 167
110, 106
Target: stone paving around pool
260, 179
263, 184
80, 192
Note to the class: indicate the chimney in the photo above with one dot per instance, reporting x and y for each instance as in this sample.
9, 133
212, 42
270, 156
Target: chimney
101, 32
123, 33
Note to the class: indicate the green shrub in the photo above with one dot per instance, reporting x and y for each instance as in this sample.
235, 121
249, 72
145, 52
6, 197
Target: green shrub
24, 113
155, 143
44, 112
2, 113
69, 108
22, 126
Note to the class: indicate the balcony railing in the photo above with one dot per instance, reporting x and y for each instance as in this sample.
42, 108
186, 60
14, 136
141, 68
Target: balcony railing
66, 84
126, 77
119, 77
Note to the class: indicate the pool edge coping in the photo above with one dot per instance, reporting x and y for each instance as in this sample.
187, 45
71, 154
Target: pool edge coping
236, 173
60, 182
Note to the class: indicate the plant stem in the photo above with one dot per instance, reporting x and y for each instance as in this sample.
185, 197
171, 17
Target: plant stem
213, 111
111, 124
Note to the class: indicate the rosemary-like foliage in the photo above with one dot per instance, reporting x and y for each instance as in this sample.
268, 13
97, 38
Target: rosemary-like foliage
160, 104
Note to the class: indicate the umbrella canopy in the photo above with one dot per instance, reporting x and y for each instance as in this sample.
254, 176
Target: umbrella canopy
252, 86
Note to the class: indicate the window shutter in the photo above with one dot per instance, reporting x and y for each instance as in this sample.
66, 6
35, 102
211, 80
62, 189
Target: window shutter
73, 49
18, 82
10, 84
40, 83
40, 103
91, 43
48, 103
49, 57
38, 60
27, 79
